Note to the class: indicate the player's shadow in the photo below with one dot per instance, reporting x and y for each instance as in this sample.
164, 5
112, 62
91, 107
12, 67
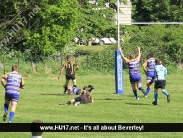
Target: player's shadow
111, 99
137, 104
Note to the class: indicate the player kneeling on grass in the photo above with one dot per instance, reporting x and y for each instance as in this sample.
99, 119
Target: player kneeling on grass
84, 98
160, 82
78, 91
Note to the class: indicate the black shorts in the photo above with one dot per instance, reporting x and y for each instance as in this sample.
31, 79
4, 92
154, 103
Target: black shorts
78, 99
160, 84
70, 76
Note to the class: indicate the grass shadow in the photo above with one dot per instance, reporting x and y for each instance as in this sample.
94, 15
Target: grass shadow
111, 99
137, 104
58, 94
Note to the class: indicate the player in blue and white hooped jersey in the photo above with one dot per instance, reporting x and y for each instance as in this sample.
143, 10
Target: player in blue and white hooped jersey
12, 82
79, 91
148, 67
134, 71
160, 82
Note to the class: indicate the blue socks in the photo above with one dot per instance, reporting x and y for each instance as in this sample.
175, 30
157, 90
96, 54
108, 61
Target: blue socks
6, 108
156, 97
140, 88
11, 116
135, 93
148, 90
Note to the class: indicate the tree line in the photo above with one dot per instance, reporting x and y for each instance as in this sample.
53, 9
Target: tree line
43, 28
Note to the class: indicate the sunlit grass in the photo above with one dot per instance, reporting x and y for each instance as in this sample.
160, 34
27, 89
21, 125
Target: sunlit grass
41, 97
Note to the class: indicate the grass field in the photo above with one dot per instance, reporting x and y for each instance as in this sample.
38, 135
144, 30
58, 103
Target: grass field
91, 48
41, 97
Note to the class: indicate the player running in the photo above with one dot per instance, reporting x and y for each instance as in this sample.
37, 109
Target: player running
14, 81
148, 67
160, 82
134, 72
70, 72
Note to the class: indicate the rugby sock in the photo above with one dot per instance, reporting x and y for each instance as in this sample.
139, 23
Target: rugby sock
156, 97
65, 89
6, 108
12, 113
148, 90
135, 93
165, 92
141, 89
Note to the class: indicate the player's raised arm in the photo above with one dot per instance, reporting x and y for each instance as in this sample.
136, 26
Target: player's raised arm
61, 70
139, 52
122, 55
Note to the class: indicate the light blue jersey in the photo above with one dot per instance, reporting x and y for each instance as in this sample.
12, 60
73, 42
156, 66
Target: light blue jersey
160, 72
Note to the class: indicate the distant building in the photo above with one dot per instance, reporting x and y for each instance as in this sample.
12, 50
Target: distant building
125, 14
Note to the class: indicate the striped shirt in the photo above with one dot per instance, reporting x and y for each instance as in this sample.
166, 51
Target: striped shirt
133, 66
149, 64
13, 82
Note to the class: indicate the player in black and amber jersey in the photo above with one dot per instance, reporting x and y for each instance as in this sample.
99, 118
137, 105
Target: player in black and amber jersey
70, 68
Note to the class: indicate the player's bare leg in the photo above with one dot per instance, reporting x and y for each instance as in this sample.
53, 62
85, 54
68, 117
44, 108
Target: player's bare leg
167, 95
148, 83
13, 109
74, 84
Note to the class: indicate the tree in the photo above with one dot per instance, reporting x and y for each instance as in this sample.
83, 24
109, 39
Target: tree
96, 20
57, 26
157, 10
43, 27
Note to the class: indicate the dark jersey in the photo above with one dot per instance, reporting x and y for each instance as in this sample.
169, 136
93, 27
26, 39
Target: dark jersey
86, 97
69, 67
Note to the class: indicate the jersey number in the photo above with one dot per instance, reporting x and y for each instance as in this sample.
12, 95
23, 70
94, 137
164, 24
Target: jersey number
15, 80
69, 66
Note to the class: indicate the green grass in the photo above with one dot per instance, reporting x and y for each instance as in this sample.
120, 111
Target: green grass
41, 96
91, 48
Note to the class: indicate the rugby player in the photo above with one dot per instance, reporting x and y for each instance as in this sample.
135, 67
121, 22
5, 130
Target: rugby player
134, 72
12, 82
79, 91
81, 99
160, 81
148, 68
69, 66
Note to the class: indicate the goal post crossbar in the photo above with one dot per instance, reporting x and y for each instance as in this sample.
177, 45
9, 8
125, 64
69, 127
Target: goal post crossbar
130, 23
